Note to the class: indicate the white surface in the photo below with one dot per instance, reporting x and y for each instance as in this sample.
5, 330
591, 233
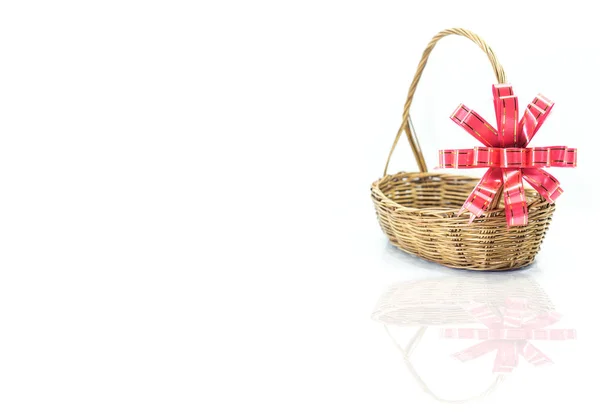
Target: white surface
186, 223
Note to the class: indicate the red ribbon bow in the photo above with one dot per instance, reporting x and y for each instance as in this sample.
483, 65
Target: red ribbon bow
505, 155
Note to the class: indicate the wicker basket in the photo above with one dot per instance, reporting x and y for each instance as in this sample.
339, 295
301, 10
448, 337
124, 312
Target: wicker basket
418, 211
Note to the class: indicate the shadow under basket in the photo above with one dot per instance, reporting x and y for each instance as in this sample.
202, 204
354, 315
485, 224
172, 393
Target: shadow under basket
418, 213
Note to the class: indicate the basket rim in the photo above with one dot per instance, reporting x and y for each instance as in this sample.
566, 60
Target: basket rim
531, 194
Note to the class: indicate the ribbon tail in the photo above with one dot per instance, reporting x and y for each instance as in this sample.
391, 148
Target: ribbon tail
515, 204
507, 115
533, 118
482, 195
543, 182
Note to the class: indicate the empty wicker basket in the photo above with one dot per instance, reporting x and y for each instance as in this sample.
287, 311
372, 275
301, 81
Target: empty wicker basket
418, 211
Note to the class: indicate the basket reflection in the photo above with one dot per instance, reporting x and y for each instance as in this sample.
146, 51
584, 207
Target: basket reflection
497, 314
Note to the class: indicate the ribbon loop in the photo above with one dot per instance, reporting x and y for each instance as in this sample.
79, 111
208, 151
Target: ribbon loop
544, 183
533, 118
507, 115
484, 192
488, 157
515, 203
475, 125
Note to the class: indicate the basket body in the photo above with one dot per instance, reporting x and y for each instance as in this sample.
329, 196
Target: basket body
418, 213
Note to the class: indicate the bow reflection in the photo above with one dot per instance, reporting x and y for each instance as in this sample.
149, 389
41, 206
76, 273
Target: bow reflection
470, 316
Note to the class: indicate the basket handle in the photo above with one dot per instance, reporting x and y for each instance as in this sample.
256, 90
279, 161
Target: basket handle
406, 121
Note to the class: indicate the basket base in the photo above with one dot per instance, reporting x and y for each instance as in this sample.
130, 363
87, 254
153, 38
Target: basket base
517, 264
418, 213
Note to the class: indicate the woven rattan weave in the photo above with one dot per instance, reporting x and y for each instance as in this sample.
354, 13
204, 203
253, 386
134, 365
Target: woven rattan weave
418, 211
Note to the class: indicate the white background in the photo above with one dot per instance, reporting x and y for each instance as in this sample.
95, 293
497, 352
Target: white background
185, 221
